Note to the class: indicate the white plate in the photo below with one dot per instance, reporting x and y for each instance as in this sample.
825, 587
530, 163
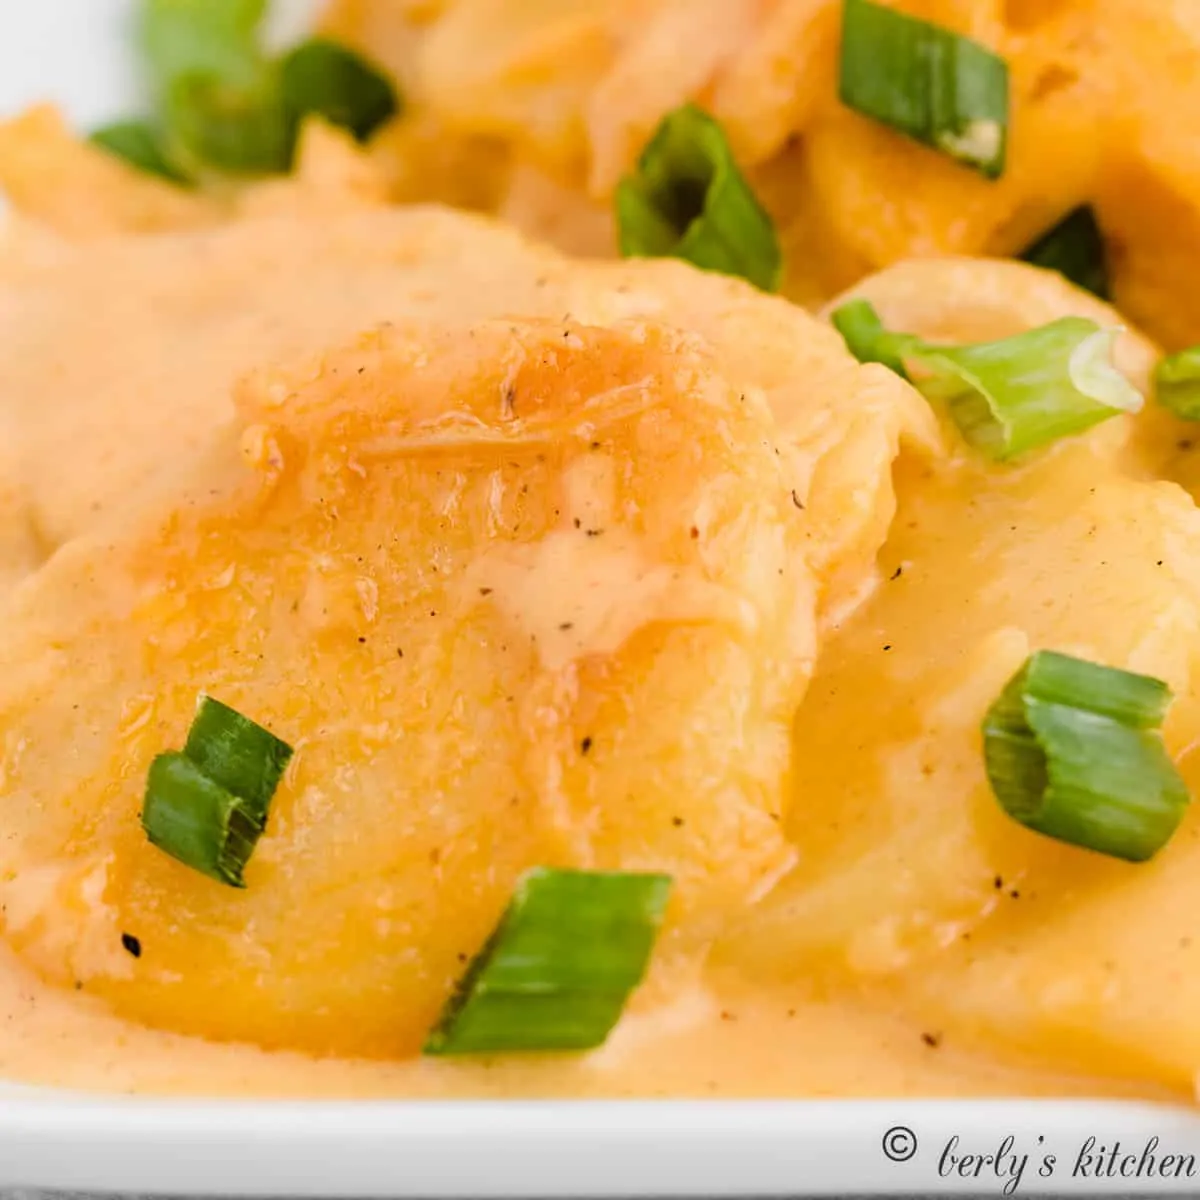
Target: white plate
76, 52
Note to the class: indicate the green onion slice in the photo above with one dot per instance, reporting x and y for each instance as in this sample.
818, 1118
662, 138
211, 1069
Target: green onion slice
140, 145
238, 754
218, 96
197, 821
209, 37
226, 106
1011, 395
323, 78
207, 807
867, 339
927, 82
557, 971
1074, 248
240, 129
688, 199
1177, 383
1073, 751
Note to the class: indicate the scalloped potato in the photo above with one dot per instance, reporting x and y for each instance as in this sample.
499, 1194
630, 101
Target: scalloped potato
520, 591
534, 561
575, 91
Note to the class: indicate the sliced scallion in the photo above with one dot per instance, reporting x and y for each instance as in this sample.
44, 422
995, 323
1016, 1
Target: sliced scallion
233, 127
1074, 248
1025, 391
867, 339
688, 199
1073, 751
237, 753
207, 807
926, 81
557, 971
1177, 383
140, 145
226, 105
209, 37
1011, 395
323, 78
197, 821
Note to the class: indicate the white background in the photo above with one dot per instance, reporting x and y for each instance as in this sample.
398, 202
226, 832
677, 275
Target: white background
78, 53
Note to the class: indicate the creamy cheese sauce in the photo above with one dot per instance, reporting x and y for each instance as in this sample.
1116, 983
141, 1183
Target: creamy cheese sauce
727, 1041
881, 927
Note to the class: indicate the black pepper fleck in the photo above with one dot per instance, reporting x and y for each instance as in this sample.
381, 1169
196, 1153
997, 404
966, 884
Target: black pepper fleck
677, 822
485, 591
585, 745
932, 1040
131, 944
797, 501
897, 572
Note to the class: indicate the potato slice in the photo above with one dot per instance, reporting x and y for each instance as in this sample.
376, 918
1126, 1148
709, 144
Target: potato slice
104, 390
901, 842
518, 594
81, 191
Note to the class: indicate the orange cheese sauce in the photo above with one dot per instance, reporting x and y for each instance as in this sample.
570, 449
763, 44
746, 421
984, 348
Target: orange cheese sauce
594, 565
724, 1041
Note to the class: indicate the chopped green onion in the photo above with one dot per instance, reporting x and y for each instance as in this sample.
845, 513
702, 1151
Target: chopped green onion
1074, 248
927, 82
226, 106
209, 37
1177, 382
234, 127
1011, 395
867, 339
240, 755
140, 145
207, 807
323, 78
198, 822
557, 971
688, 199
1073, 751
218, 96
